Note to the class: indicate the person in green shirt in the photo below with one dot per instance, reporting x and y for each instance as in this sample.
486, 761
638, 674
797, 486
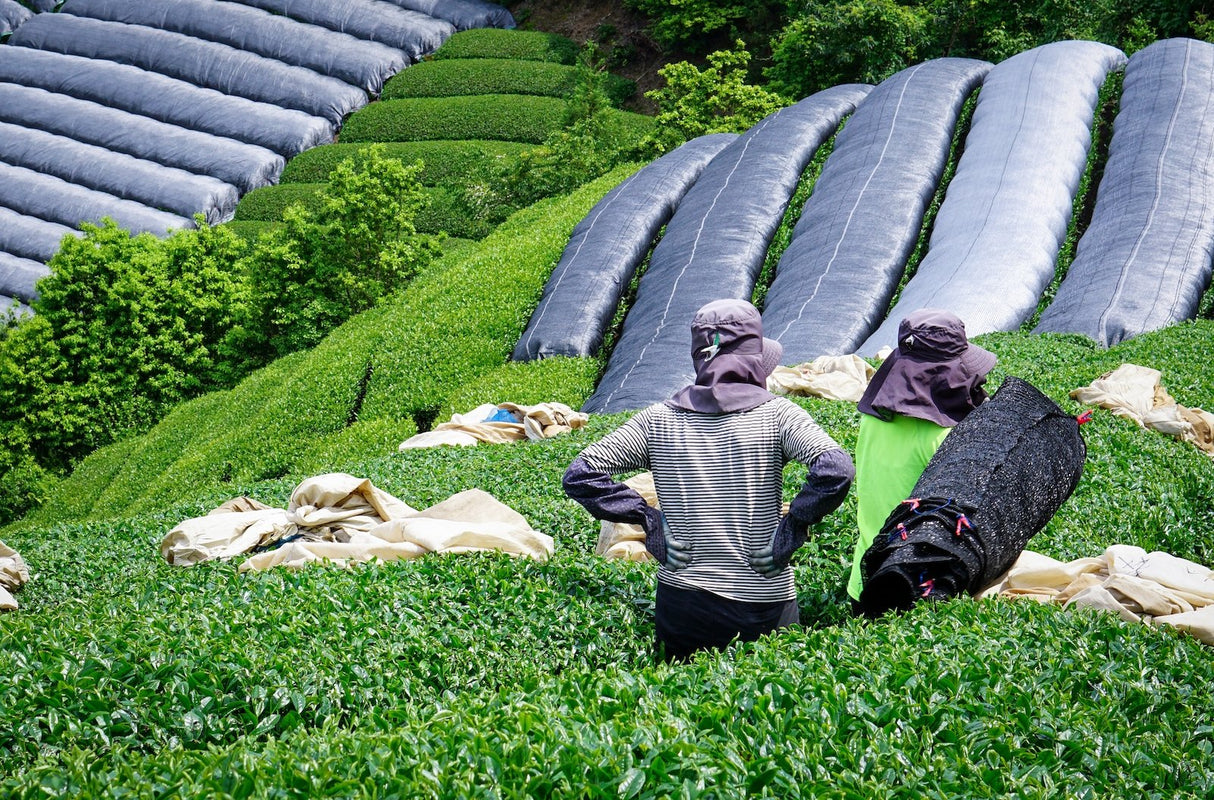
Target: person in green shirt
929, 383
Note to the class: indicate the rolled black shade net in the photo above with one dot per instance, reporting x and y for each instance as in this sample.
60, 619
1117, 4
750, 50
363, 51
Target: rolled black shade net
338, 55
245, 166
996, 237
18, 277
1144, 261
714, 246
29, 237
605, 249
857, 230
415, 33
12, 14
282, 130
995, 482
208, 64
47, 197
463, 14
118, 174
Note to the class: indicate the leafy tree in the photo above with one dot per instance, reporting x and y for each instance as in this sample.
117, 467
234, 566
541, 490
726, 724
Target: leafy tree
716, 99
698, 26
831, 43
125, 328
325, 265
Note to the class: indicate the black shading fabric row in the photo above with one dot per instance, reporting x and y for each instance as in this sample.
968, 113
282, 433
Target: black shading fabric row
245, 166
29, 237
415, 33
18, 276
339, 55
463, 14
605, 249
996, 237
857, 230
195, 61
12, 14
999, 477
1145, 259
121, 175
714, 246
284, 131
54, 199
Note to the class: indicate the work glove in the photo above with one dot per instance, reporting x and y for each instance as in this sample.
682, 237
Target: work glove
660, 542
772, 559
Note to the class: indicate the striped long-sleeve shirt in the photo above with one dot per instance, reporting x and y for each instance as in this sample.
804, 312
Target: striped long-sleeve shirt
719, 480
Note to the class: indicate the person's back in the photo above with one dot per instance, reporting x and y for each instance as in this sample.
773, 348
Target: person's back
926, 386
717, 451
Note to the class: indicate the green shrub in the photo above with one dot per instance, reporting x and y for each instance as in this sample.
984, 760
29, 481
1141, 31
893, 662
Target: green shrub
444, 162
251, 229
513, 44
267, 203
332, 260
508, 117
716, 99
468, 76
346, 450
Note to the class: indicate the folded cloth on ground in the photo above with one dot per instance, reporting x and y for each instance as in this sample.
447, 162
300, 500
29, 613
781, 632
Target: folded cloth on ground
1136, 393
500, 423
341, 518
832, 377
1155, 587
13, 575
624, 540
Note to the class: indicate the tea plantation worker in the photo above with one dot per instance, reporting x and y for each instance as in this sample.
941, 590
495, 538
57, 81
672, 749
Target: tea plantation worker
928, 384
717, 451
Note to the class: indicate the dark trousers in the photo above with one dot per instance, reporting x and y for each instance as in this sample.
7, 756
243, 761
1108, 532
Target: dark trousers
688, 620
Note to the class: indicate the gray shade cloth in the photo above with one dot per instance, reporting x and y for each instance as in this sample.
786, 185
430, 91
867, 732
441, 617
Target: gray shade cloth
463, 14
253, 30
12, 14
56, 200
605, 249
18, 276
415, 33
245, 166
1144, 260
29, 237
282, 130
1004, 217
14, 305
850, 246
118, 174
196, 61
714, 246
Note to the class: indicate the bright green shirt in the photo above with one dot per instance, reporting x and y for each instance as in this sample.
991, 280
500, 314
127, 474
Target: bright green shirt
890, 457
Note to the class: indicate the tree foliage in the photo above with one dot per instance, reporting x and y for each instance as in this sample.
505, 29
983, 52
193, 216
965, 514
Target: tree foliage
327, 263
716, 99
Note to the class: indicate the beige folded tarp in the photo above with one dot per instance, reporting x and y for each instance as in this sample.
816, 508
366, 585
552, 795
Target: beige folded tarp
536, 422
621, 539
1154, 587
343, 519
1136, 393
831, 377
13, 575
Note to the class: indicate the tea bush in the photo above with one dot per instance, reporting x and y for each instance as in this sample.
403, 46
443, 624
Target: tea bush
516, 118
444, 162
468, 76
499, 43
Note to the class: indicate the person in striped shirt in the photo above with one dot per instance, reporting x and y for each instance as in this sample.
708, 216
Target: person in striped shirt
717, 450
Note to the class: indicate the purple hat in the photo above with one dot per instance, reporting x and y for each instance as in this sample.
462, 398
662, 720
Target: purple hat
732, 359
935, 373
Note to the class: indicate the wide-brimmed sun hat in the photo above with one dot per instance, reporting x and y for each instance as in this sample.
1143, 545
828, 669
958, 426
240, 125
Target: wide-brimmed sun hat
935, 373
732, 359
